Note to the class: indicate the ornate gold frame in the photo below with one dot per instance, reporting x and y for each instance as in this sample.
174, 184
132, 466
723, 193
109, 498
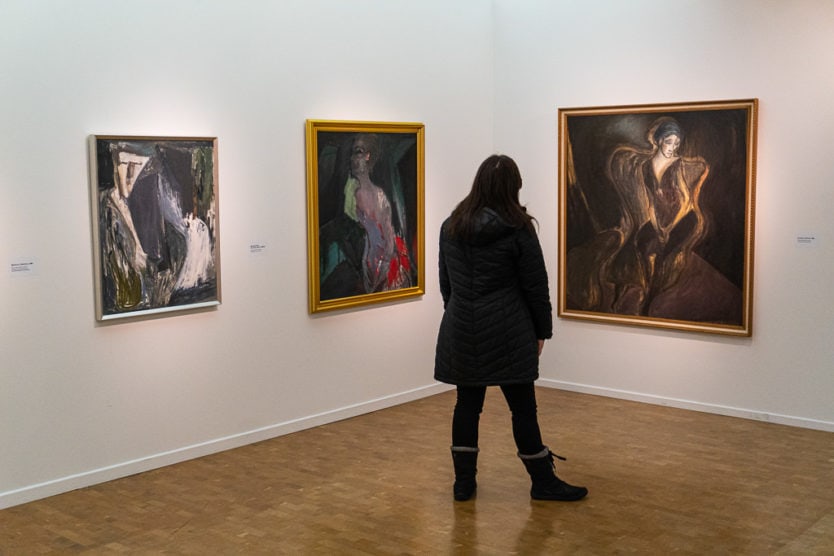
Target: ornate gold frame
663, 249
328, 158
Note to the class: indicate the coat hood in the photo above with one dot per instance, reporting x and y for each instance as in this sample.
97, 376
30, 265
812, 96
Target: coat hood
489, 226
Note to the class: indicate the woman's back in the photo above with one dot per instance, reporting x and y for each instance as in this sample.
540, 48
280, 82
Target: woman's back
497, 304
485, 263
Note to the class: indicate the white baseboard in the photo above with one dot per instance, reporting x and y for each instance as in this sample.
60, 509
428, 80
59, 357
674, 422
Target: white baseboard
155, 461
694, 406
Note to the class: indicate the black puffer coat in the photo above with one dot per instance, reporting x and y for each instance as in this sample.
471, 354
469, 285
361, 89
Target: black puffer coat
497, 305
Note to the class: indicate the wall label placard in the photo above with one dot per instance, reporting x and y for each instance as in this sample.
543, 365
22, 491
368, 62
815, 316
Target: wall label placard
257, 248
24, 266
807, 240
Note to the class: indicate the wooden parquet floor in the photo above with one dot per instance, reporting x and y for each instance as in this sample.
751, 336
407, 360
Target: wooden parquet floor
661, 481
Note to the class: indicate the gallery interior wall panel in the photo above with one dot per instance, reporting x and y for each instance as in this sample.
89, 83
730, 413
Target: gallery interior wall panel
83, 401
552, 56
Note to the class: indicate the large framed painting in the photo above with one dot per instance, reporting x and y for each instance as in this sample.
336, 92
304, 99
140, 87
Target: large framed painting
365, 223
656, 207
155, 224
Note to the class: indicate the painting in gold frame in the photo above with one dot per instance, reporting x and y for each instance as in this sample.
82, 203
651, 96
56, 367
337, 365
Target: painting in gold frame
656, 209
365, 222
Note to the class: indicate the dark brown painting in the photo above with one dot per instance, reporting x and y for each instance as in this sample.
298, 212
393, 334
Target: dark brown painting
656, 215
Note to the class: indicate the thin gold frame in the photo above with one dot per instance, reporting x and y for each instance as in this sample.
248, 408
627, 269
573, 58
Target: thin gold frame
345, 131
593, 202
103, 309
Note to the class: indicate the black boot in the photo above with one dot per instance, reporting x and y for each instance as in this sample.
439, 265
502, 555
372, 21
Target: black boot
466, 463
546, 485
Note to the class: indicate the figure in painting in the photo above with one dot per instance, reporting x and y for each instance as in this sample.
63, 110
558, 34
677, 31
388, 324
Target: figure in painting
385, 264
648, 265
662, 221
364, 248
124, 261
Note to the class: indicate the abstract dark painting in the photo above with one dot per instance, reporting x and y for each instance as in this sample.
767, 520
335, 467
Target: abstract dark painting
155, 224
364, 212
656, 215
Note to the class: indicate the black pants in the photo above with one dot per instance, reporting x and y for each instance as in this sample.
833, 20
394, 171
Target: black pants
522, 401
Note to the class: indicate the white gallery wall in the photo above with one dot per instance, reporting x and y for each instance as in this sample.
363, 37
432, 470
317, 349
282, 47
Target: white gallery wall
606, 52
82, 402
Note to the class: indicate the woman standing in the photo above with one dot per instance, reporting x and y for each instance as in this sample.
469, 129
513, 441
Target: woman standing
497, 314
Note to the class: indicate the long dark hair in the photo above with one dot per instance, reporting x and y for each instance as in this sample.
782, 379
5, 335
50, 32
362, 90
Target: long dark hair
496, 186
